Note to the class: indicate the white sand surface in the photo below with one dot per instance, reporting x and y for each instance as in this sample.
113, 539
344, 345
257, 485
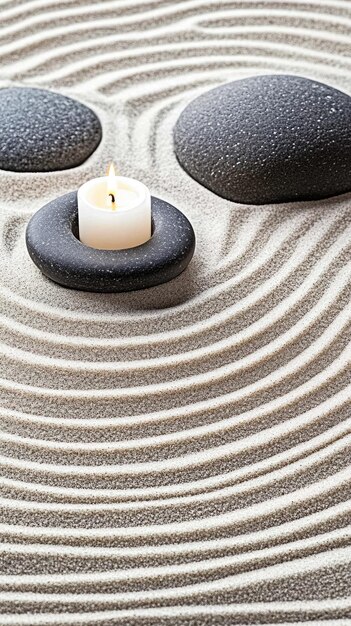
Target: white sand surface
178, 456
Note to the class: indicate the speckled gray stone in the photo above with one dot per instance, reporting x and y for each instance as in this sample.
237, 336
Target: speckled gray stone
42, 131
53, 245
268, 139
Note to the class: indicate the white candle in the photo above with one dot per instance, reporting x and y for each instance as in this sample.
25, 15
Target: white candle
114, 212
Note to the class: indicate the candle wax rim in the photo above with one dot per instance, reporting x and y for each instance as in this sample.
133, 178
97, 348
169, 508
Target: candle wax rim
140, 190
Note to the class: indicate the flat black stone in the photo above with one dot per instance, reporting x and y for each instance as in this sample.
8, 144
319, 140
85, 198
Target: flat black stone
53, 245
43, 131
268, 139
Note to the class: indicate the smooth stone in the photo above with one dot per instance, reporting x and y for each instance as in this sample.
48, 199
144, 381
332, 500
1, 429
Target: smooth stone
268, 139
53, 245
43, 131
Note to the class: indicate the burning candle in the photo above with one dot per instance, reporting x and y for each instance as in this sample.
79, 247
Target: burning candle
114, 212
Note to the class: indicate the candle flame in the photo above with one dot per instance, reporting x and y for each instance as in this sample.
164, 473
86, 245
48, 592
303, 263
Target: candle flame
112, 185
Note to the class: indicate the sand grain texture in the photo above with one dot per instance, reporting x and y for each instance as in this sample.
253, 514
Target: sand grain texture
179, 456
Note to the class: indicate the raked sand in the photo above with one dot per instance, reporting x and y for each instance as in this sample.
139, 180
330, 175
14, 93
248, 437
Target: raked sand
179, 456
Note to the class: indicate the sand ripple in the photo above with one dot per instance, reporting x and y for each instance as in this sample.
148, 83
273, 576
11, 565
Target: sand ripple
181, 455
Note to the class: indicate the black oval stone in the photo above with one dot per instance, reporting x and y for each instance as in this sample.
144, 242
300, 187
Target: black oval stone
53, 245
43, 131
268, 139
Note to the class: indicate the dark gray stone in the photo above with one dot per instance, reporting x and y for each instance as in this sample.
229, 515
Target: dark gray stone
42, 131
53, 245
268, 139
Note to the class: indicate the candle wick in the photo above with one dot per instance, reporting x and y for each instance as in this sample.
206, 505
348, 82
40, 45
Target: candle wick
112, 197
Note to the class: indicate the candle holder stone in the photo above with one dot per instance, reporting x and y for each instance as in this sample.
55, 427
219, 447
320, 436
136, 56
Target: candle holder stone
53, 244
